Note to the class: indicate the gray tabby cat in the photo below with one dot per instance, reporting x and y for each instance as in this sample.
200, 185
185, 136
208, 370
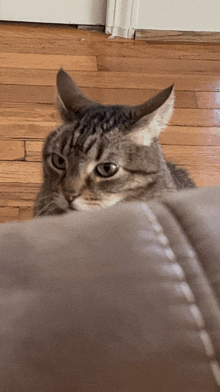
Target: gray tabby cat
102, 154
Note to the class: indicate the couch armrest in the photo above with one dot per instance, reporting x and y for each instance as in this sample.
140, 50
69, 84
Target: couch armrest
125, 299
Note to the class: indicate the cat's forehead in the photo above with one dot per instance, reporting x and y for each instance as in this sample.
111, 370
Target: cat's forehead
106, 117
90, 125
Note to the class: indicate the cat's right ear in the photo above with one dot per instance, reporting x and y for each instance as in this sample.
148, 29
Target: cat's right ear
70, 99
152, 117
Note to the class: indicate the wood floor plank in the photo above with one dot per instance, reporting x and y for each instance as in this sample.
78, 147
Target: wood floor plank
196, 117
6, 201
204, 176
27, 94
184, 99
45, 61
42, 77
9, 214
47, 31
18, 194
25, 213
45, 94
182, 135
19, 129
194, 155
191, 136
35, 94
208, 100
33, 151
11, 150
28, 112
202, 163
43, 113
86, 47
22, 172
164, 66
69, 40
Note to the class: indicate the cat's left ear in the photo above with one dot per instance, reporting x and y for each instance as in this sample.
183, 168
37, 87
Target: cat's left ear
152, 117
70, 98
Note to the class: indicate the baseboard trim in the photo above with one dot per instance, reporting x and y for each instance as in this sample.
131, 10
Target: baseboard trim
174, 36
117, 31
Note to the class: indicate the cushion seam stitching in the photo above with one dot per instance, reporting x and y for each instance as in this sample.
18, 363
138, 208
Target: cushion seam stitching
188, 294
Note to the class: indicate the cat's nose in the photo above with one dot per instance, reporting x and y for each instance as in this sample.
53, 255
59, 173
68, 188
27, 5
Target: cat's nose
70, 196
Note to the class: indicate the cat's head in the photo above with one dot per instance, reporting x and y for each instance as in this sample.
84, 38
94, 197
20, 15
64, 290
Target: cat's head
103, 154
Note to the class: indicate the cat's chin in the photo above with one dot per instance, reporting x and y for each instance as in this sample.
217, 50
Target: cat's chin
81, 204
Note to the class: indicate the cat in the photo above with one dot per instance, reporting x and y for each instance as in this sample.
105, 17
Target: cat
105, 154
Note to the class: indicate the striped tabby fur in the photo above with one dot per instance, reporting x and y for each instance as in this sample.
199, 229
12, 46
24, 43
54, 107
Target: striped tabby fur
102, 154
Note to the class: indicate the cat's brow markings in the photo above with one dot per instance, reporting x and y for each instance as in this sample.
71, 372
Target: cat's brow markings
90, 145
100, 149
65, 143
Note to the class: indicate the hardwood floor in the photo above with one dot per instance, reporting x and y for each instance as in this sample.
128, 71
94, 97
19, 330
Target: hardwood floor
112, 71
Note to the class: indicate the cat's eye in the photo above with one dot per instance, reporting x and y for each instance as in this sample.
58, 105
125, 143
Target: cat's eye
106, 169
58, 161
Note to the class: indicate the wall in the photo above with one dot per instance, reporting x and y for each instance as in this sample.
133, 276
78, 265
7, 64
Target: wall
190, 15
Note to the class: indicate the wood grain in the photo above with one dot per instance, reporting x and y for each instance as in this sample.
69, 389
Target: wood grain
183, 135
45, 94
23, 172
87, 46
44, 61
193, 155
27, 94
9, 214
67, 40
191, 136
42, 77
164, 66
204, 176
25, 213
208, 100
21, 129
196, 117
28, 112
10, 201
37, 113
119, 71
33, 151
12, 150
47, 31
180, 154
18, 194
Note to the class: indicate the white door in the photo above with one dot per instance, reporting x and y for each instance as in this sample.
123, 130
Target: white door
86, 12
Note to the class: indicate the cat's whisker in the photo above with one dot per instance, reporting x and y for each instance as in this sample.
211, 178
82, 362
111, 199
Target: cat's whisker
54, 194
46, 208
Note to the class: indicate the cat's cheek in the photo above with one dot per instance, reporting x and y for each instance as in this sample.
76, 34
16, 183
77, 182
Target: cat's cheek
62, 203
112, 199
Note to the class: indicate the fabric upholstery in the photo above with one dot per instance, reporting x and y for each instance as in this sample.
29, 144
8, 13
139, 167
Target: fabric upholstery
124, 299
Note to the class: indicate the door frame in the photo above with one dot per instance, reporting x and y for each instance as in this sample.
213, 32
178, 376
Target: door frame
121, 17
